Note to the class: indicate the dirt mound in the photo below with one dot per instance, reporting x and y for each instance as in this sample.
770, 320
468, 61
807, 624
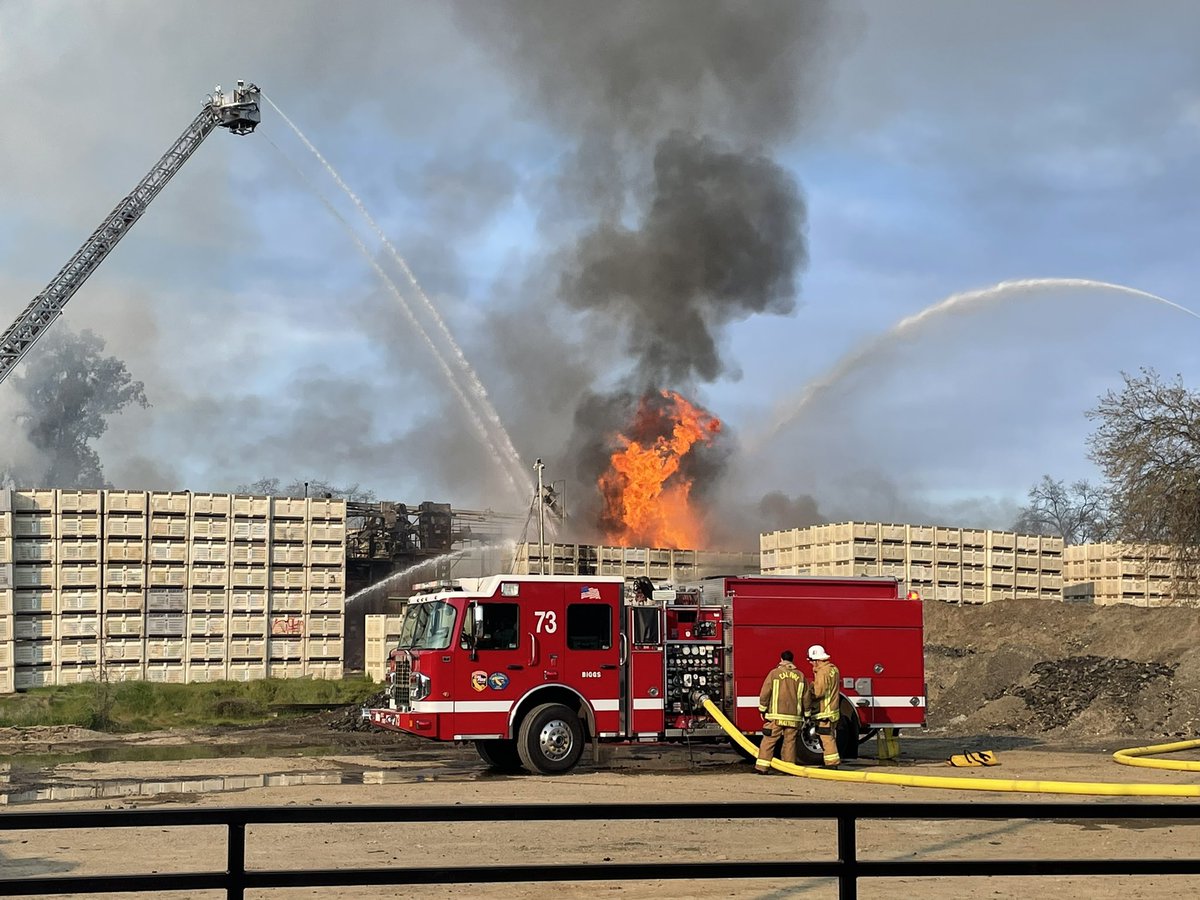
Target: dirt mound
1064, 670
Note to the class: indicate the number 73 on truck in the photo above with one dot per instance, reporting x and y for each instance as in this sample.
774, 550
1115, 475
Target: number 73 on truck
530, 668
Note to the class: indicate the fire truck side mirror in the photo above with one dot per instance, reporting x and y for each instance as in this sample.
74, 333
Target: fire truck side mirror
472, 628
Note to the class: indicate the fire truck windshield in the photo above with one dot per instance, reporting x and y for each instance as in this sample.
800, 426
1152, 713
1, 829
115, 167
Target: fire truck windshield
427, 626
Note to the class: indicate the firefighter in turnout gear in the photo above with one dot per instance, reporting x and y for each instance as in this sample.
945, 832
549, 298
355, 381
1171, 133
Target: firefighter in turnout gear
824, 703
779, 702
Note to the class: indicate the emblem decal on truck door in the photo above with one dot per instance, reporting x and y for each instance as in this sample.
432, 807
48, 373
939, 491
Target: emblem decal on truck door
497, 681
479, 680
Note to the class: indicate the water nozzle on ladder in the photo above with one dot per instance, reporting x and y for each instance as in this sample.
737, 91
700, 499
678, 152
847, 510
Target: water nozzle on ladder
238, 111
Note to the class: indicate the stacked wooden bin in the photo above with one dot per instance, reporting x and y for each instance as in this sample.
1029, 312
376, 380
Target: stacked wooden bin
659, 564
957, 565
168, 586
382, 634
1134, 574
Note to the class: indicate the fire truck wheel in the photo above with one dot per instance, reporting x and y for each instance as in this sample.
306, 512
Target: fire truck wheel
808, 747
550, 740
809, 751
499, 756
847, 738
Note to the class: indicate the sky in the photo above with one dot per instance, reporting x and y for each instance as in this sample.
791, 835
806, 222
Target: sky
721, 199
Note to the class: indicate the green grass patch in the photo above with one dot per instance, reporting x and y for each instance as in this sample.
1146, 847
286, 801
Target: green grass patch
132, 706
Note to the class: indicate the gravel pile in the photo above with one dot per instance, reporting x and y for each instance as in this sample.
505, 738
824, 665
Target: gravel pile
350, 718
1064, 688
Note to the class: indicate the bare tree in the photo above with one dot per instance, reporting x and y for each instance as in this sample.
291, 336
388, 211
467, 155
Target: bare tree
316, 487
1078, 513
1148, 446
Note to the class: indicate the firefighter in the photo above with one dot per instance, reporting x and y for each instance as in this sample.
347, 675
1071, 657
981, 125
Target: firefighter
824, 703
779, 703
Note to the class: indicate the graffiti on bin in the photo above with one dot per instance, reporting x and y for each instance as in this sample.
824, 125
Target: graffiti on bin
287, 625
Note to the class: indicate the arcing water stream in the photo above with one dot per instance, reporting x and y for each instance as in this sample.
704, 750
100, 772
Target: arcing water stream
472, 414
495, 434
795, 407
374, 589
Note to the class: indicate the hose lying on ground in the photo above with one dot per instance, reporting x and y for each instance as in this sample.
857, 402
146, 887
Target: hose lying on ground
1131, 756
961, 783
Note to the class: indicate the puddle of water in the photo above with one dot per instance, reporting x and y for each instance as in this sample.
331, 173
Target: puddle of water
128, 788
29, 762
32, 778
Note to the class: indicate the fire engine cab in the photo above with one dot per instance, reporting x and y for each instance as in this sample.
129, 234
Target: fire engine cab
531, 667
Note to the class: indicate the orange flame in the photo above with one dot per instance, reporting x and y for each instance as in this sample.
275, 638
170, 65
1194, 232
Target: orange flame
646, 497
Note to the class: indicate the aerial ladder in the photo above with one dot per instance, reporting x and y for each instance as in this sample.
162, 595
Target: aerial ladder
237, 111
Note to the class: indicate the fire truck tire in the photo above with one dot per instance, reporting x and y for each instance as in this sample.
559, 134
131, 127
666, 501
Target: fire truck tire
550, 740
847, 738
499, 756
808, 745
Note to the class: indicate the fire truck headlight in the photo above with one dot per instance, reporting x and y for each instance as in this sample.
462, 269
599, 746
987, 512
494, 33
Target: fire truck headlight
419, 686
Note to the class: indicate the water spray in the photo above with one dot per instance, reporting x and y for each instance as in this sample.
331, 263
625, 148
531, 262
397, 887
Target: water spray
480, 427
795, 407
516, 470
374, 590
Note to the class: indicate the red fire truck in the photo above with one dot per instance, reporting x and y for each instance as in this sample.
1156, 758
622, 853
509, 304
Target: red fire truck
530, 667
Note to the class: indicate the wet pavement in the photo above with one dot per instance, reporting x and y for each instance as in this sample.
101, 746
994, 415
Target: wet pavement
33, 778
111, 773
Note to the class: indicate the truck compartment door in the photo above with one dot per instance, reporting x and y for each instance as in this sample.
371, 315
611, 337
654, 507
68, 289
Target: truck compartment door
644, 689
591, 662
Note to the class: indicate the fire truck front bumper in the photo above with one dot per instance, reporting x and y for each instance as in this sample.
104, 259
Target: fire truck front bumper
419, 723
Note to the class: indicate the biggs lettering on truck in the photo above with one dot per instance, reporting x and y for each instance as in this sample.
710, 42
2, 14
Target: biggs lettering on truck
531, 668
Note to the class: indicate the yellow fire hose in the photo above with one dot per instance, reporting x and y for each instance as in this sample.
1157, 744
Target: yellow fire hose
964, 783
1131, 756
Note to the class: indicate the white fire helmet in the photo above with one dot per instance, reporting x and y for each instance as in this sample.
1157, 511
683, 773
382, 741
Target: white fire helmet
817, 652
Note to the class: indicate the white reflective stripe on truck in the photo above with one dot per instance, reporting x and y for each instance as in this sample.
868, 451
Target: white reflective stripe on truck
432, 706
650, 703
482, 706
461, 706
883, 702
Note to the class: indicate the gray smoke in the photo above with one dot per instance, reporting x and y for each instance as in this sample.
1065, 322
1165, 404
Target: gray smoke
777, 510
633, 70
722, 238
672, 218
634, 131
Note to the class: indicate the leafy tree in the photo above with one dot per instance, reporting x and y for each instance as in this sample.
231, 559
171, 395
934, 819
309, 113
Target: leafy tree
1078, 513
70, 389
1147, 444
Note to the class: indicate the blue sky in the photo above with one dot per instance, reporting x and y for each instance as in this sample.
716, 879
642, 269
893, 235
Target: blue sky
940, 148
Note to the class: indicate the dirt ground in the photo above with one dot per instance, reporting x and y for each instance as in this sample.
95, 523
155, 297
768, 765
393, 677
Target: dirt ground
1052, 689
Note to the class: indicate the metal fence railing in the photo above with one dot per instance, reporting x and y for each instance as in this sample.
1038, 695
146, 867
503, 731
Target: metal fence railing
847, 869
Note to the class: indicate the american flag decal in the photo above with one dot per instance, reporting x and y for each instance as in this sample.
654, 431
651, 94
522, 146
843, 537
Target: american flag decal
589, 593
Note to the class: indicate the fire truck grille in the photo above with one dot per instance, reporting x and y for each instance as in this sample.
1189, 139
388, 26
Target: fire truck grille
400, 683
